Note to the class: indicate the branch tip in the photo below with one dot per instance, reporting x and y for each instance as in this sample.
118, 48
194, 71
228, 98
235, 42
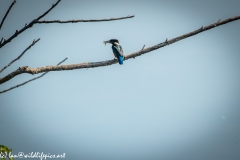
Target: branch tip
7, 13
62, 61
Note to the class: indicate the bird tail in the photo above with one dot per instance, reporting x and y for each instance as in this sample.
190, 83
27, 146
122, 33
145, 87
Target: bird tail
120, 60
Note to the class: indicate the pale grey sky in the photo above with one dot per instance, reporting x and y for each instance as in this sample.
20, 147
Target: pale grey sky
180, 102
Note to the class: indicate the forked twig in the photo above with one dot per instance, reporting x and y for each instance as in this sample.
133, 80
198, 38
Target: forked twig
20, 54
37, 20
28, 25
31, 79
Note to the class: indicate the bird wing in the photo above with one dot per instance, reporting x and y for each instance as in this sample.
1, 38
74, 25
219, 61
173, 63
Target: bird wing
118, 50
121, 50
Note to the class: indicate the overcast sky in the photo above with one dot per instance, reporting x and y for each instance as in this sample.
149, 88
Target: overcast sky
180, 102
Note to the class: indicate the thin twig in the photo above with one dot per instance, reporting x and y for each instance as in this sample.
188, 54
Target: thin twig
45, 13
20, 55
82, 20
143, 47
26, 69
62, 61
31, 79
7, 13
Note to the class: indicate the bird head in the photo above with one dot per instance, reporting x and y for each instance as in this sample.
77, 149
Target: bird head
112, 41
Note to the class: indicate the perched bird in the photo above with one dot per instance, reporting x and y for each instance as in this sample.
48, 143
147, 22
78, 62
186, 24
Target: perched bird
117, 50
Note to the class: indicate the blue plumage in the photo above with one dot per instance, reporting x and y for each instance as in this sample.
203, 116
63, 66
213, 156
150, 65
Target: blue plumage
117, 50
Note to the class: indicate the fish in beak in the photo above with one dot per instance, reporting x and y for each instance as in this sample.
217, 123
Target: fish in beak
105, 42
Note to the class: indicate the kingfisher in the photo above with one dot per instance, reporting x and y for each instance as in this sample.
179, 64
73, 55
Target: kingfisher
117, 50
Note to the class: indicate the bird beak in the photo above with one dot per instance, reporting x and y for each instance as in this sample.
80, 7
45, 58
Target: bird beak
105, 42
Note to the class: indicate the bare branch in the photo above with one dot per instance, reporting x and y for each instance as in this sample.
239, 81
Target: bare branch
81, 20
20, 54
44, 14
26, 69
7, 14
37, 20
30, 79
